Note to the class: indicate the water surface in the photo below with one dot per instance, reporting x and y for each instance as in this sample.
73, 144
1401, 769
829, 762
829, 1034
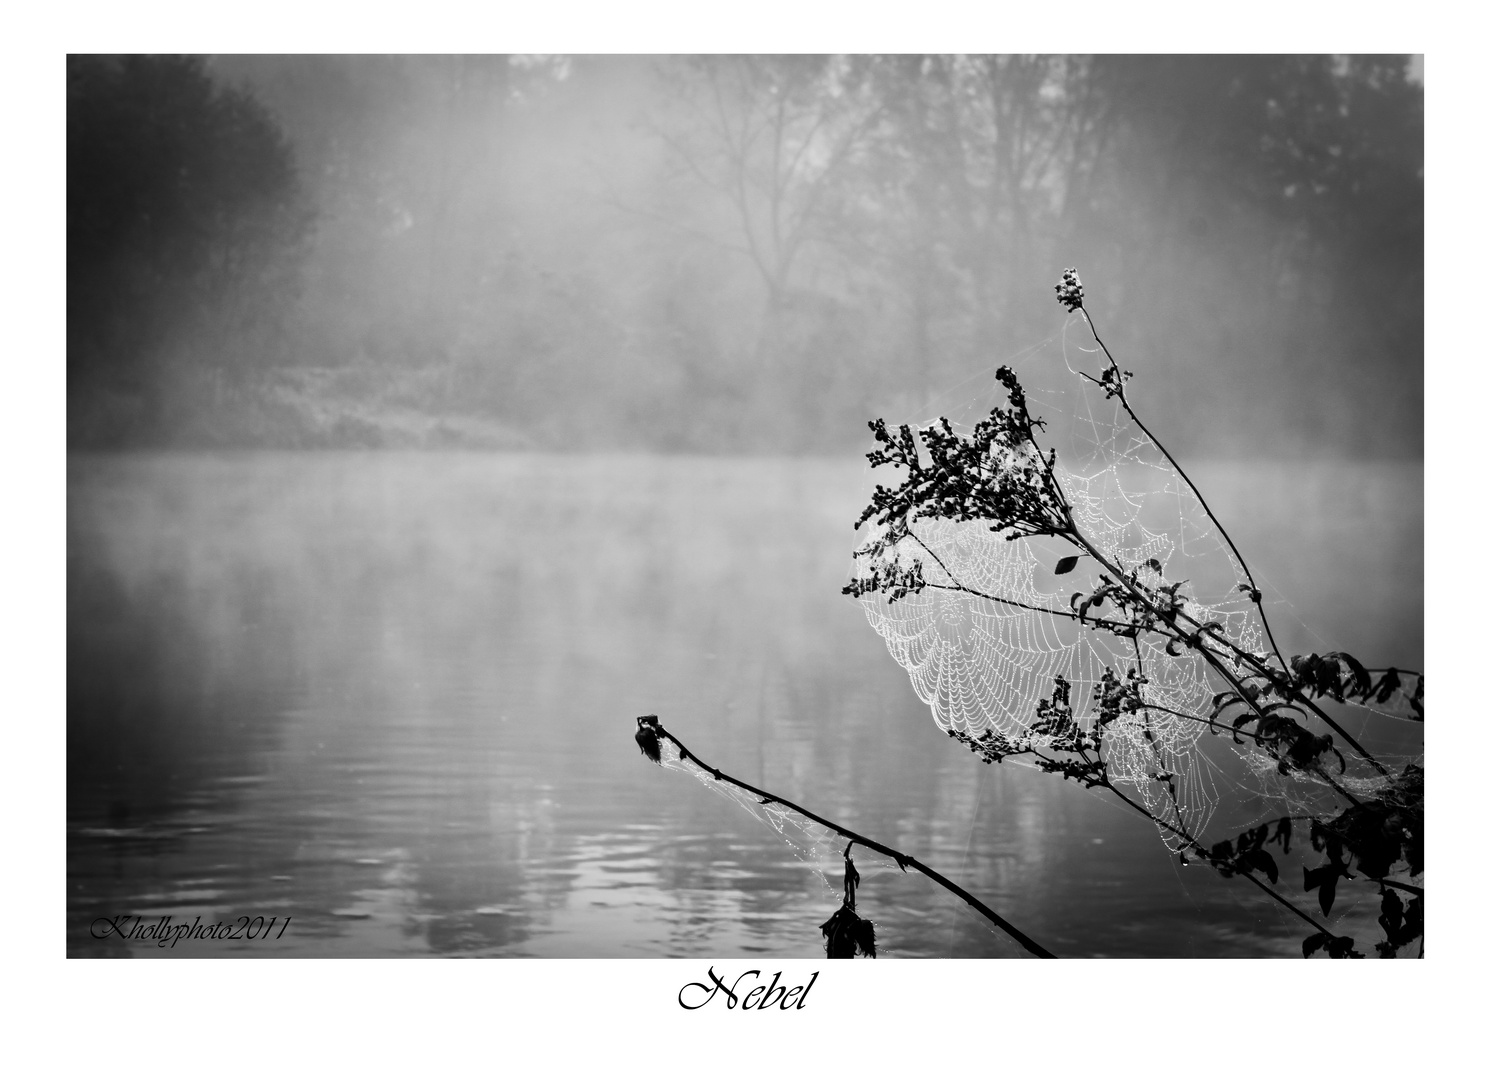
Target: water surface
390, 697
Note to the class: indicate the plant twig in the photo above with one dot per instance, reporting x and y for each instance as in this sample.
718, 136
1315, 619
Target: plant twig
1207, 857
1124, 400
651, 728
1414, 889
1193, 640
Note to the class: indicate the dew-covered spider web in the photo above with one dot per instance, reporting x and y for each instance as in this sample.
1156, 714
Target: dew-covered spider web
996, 631
895, 897
982, 663
818, 848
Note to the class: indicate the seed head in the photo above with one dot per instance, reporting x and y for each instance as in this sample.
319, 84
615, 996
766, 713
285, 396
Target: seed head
1070, 289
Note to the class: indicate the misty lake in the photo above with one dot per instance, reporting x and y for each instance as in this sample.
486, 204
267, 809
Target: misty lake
391, 698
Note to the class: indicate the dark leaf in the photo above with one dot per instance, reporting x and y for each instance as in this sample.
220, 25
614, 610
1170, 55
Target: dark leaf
1327, 893
1375, 853
1314, 943
1223, 700
1264, 862
1361, 681
1391, 917
1324, 878
1282, 833
1412, 926
1313, 877
1412, 849
1066, 563
1331, 675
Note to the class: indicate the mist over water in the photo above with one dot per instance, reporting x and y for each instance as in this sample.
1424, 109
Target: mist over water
430, 418
391, 696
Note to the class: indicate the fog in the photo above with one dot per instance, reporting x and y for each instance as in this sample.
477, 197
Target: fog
430, 418
734, 255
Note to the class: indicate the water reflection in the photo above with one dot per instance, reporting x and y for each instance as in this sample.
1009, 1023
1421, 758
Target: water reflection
391, 698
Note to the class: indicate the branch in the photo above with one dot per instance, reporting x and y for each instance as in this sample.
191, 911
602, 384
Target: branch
1099, 623
1124, 400
1414, 889
1194, 641
648, 736
1207, 857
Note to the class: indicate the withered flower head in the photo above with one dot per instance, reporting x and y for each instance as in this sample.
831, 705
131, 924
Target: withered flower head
1070, 289
648, 738
846, 934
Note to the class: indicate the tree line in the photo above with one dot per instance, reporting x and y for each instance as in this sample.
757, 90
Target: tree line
736, 254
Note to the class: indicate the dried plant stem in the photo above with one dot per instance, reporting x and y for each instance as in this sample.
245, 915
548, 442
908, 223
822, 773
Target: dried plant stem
1207, 857
904, 861
1124, 400
1193, 640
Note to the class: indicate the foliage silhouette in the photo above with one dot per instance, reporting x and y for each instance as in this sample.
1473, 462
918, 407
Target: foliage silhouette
1001, 475
998, 474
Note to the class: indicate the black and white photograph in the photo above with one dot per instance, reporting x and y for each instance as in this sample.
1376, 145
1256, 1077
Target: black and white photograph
743, 510
441, 427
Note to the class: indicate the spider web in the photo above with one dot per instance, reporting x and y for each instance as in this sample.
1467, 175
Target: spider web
984, 664
819, 848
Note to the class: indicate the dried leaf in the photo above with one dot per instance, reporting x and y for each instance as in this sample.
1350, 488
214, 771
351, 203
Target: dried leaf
648, 739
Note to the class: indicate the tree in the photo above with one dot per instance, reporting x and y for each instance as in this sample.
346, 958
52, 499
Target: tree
1305, 172
184, 231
